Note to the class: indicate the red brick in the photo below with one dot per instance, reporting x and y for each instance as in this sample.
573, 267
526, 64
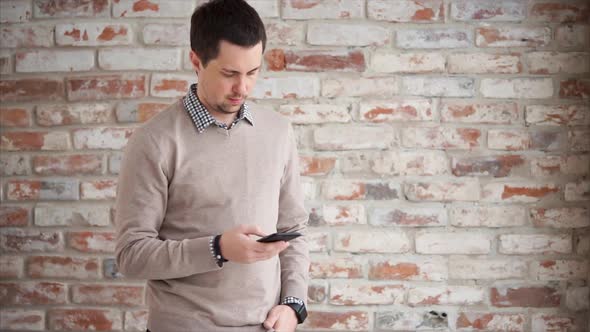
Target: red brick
34, 141
561, 12
14, 117
408, 268
92, 242
574, 88
406, 11
69, 114
106, 87
31, 89
68, 164
488, 113
35, 293
525, 296
63, 267
337, 321
491, 321
112, 295
397, 110
21, 240
48, 189
170, 85
512, 37
93, 34
316, 165
11, 267
22, 319
85, 319
496, 166
320, 61
26, 36
522, 192
86, 8
360, 190
13, 216
560, 165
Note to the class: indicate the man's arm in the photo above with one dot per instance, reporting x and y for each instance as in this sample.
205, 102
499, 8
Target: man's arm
142, 196
293, 217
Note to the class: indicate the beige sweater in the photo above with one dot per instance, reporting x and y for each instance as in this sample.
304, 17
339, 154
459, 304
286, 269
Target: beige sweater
177, 188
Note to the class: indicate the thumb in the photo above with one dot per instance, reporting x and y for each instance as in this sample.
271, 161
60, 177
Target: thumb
271, 319
252, 229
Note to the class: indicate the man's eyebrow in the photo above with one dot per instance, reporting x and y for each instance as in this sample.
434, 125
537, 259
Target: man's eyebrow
237, 72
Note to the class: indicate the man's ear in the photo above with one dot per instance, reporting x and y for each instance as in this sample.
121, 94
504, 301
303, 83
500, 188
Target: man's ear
196, 61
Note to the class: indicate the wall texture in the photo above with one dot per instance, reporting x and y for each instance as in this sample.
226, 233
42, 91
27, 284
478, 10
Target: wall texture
445, 148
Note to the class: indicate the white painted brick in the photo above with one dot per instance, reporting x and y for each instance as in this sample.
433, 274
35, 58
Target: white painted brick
484, 63
439, 86
286, 87
526, 88
355, 293
488, 216
558, 63
521, 244
139, 59
325, 9
54, 61
166, 34
500, 10
15, 11
558, 115
346, 34
486, 268
335, 215
406, 10
463, 189
360, 86
265, 8
79, 215
451, 295
452, 243
314, 113
386, 62
377, 241
352, 137
434, 38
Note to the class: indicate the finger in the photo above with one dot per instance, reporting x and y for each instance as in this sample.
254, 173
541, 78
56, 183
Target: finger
252, 229
271, 319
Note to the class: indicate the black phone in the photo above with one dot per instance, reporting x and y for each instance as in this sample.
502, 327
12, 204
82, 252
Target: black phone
279, 237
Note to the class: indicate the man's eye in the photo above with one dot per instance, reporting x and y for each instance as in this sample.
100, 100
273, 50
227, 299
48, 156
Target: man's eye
227, 75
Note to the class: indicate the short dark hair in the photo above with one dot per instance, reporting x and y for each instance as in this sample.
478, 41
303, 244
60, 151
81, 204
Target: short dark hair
234, 21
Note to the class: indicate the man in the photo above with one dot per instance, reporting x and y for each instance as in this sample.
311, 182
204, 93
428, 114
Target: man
202, 180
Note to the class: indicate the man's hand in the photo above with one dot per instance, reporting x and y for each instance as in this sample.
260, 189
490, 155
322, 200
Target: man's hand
236, 246
281, 318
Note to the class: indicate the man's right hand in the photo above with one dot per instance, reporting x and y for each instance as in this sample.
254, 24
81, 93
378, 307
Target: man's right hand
236, 246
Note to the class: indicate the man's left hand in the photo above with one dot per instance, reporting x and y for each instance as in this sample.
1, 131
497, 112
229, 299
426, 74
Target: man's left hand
281, 318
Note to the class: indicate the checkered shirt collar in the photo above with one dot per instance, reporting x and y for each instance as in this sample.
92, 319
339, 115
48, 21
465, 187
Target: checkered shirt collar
202, 118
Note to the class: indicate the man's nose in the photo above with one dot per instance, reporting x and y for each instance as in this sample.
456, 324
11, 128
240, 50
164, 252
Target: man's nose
241, 86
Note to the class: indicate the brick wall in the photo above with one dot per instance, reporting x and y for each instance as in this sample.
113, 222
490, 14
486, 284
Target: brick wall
445, 148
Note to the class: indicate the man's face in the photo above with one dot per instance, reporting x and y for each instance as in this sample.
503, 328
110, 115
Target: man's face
226, 81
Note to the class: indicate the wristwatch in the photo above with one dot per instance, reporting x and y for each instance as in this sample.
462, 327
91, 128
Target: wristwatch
298, 306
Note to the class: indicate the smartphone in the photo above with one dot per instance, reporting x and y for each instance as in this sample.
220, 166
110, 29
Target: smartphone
279, 237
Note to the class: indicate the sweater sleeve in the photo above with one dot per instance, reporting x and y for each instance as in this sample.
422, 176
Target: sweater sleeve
293, 217
140, 208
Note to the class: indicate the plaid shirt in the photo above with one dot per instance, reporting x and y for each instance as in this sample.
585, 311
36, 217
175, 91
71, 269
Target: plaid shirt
202, 118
